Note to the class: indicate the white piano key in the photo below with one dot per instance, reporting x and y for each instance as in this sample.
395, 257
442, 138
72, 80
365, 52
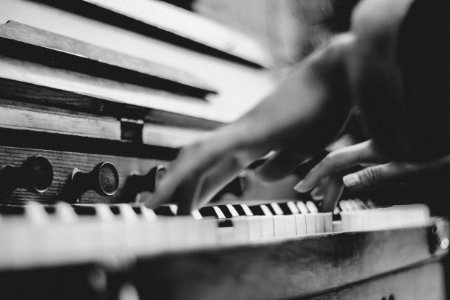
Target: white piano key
241, 230
310, 224
266, 210
337, 226
126, 212
149, 237
196, 215
247, 210
102, 211
182, 232
147, 213
312, 208
276, 208
278, 226
208, 232
64, 213
290, 226
302, 207
300, 224
219, 213
267, 227
260, 227
320, 223
328, 222
254, 228
232, 210
173, 208
35, 213
225, 232
293, 207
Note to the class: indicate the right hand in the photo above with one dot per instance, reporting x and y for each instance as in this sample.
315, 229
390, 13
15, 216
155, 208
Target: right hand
327, 179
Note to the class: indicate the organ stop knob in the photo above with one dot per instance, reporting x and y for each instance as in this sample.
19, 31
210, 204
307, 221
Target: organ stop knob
136, 184
104, 179
35, 175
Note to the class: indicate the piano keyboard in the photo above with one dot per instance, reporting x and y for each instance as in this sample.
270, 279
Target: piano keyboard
128, 251
37, 234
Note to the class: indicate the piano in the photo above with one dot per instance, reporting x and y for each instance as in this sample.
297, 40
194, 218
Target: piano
96, 98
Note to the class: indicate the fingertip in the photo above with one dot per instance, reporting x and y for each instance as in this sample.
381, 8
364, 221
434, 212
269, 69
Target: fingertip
302, 187
332, 194
351, 181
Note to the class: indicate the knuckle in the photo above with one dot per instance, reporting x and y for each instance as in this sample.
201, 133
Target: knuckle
370, 176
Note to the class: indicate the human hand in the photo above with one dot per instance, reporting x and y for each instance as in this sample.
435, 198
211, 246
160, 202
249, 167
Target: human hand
326, 180
306, 112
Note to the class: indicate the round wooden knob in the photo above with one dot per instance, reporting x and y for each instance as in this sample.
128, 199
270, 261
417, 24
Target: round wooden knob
35, 174
104, 179
38, 174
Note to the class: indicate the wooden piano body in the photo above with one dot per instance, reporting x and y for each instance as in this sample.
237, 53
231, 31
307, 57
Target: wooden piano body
104, 91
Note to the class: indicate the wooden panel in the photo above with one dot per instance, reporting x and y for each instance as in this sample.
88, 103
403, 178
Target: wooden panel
30, 43
421, 282
64, 162
19, 75
303, 267
173, 137
36, 120
174, 25
239, 86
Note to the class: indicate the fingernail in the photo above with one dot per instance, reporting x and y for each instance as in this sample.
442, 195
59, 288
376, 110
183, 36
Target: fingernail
351, 180
300, 187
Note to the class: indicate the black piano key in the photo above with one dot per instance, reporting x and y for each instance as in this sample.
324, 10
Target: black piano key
225, 223
239, 209
115, 209
275, 209
85, 210
225, 211
137, 209
208, 211
258, 210
51, 210
285, 208
12, 210
164, 210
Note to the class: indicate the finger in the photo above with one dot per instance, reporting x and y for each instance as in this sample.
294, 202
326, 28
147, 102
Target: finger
213, 182
317, 193
336, 162
372, 177
332, 193
185, 171
278, 166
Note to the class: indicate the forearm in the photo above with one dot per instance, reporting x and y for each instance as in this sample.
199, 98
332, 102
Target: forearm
308, 109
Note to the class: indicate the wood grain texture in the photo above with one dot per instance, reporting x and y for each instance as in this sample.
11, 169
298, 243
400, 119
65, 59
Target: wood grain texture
239, 86
38, 120
421, 282
303, 267
64, 162
31, 43
19, 75
174, 25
